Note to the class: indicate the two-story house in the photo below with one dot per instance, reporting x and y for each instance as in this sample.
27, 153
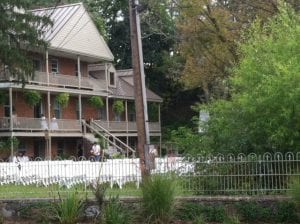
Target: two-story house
76, 93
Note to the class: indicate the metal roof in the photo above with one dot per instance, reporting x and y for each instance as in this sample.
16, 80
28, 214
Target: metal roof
74, 32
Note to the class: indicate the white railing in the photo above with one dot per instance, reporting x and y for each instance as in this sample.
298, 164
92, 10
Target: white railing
38, 124
123, 126
64, 81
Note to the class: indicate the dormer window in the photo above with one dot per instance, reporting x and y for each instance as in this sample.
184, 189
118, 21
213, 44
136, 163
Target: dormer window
112, 79
54, 66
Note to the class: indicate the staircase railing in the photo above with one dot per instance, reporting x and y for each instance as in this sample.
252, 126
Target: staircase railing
98, 129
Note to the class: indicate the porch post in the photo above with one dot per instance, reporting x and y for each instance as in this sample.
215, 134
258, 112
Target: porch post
126, 115
159, 117
10, 109
79, 71
48, 136
80, 109
11, 124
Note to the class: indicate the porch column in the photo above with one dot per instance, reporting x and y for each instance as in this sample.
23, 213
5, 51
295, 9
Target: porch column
79, 71
159, 118
47, 133
126, 115
80, 109
107, 91
107, 112
11, 123
10, 109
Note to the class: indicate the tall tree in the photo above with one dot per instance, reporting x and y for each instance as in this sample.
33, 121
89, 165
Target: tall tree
263, 113
20, 30
209, 33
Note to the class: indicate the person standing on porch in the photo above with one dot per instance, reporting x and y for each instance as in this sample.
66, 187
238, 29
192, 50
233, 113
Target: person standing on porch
96, 151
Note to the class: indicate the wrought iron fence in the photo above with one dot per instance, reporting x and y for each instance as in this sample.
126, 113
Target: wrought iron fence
204, 175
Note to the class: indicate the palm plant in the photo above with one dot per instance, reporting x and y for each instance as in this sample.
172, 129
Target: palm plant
68, 210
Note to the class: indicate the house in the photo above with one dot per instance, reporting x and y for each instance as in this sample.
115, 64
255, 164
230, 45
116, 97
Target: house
75, 95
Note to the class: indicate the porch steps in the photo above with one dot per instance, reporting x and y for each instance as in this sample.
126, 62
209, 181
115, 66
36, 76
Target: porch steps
112, 140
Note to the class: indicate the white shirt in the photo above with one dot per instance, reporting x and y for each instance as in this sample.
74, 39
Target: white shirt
96, 150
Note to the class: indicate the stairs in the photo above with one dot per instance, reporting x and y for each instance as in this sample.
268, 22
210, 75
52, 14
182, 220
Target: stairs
112, 140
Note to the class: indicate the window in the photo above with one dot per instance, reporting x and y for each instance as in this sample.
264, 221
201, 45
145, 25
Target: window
6, 108
102, 113
112, 78
54, 66
57, 110
37, 64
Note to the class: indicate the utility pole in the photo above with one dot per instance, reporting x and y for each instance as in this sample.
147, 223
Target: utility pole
139, 85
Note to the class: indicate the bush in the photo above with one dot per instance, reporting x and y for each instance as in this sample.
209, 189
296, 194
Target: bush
158, 198
287, 212
253, 211
115, 213
69, 209
194, 211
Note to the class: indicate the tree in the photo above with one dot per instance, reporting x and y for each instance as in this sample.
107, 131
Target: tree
263, 113
20, 31
209, 33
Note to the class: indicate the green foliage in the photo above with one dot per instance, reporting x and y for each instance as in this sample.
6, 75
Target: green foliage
32, 97
158, 198
263, 113
115, 212
118, 106
287, 212
253, 211
3, 97
295, 190
17, 28
153, 112
100, 194
69, 209
194, 211
96, 101
6, 143
63, 99
186, 140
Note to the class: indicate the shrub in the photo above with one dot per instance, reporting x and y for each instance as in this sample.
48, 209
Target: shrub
253, 211
286, 212
193, 211
69, 209
115, 213
158, 198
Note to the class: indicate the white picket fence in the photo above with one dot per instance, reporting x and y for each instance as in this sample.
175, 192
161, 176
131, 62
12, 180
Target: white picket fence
69, 173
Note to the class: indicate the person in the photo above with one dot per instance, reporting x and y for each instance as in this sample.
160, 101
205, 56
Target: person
15, 119
96, 151
44, 122
54, 125
20, 157
152, 155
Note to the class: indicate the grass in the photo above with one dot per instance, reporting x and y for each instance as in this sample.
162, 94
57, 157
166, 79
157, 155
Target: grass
12, 191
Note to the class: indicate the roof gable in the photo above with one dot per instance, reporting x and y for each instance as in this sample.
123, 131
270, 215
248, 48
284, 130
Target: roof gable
74, 31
